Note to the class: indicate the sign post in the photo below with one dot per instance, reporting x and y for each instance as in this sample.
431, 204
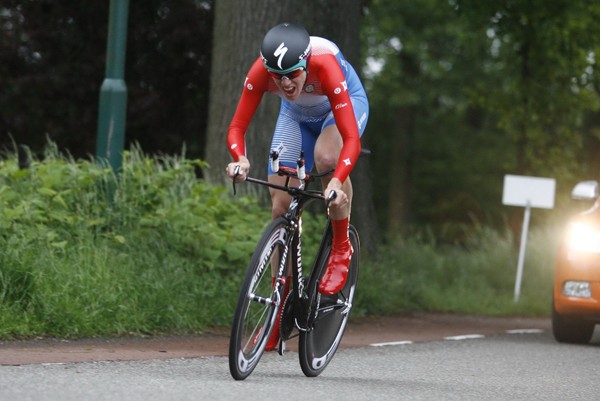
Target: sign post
527, 192
524, 231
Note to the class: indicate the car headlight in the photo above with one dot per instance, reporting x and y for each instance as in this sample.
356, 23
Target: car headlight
578, 289
583, 237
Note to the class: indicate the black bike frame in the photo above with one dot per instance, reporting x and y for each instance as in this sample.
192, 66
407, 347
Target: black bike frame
293, 245
300, 196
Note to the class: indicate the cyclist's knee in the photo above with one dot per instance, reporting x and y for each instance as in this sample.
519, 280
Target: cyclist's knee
328, 147
325, 160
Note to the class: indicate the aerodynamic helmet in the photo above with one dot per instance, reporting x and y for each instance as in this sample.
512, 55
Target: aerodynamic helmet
285, 47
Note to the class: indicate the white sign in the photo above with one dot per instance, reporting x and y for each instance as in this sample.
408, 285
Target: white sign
521, 190
527, 192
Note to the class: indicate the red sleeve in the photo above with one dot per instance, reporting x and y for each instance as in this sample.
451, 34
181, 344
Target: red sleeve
255, 85
334, 85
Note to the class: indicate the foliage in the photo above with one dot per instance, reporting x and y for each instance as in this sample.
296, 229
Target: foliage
463, 91
467, 91
416, 274
88, 253
155, 250
52, 64
544, 53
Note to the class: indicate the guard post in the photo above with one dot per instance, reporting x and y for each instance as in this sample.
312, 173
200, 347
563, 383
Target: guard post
113, 92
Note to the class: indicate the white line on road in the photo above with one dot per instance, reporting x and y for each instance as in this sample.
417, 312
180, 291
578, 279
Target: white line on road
390, 343
525, 331
460, 338
464, 337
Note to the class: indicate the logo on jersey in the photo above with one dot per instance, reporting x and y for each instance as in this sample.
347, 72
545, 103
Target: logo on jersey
309, 88
337, 91
281, 149
343, 63
361, 120
280, 53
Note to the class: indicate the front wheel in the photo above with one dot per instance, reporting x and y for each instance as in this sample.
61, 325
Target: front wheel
258, 303
318, 344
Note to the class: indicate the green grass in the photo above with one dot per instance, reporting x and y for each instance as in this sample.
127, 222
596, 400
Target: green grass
161, 254
156, 250
477, 278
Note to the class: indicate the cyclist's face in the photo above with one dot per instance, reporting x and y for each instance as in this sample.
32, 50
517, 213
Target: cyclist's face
291, 87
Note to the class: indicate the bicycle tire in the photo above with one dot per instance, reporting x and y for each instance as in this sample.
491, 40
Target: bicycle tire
318, 345
255, 316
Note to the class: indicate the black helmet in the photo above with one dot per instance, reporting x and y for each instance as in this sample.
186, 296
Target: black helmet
286, 47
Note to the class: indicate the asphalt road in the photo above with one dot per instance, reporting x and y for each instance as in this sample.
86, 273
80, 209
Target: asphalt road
527, 365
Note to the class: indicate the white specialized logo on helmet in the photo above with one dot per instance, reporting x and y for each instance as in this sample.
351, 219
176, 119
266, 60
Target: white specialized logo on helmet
280, 53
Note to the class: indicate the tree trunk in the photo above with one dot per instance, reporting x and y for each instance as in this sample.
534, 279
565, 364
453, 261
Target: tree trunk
239, 29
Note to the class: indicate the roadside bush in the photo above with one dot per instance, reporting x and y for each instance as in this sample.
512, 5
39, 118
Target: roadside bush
156, 250
415, 274
87, 253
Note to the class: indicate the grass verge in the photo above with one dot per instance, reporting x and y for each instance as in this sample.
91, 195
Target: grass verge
155, 250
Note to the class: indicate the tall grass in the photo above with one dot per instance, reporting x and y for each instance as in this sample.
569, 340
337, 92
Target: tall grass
415, 274
163, 253
156, 250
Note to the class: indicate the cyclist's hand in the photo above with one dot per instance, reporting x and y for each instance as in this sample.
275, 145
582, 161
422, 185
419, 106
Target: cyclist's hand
341, 199
244, 168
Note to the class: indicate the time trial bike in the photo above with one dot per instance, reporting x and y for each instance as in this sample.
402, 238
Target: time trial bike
317, 320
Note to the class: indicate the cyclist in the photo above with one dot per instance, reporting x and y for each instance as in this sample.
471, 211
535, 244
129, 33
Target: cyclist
324, 111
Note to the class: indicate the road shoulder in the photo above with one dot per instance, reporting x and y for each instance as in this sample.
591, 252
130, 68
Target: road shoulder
361, 332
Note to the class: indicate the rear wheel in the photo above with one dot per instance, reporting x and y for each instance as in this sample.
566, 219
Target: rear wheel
571, 330
329, 314
258, 303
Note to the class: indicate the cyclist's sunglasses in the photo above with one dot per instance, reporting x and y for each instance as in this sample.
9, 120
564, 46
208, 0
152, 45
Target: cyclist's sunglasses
289, 75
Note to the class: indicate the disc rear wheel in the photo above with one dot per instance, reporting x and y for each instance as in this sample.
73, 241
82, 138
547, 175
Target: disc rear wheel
329, 314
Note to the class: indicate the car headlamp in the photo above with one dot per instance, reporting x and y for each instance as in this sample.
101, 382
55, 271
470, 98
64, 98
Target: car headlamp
583, 237
577, 289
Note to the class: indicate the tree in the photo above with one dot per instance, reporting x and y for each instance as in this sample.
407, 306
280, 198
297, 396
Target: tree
52, 61
428, 135
51, 66
469, 91
545, 52
239, 28
168, 73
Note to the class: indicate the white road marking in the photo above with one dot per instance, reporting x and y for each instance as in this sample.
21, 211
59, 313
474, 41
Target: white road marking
459, 338
464, 337
390, 343
525, 331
